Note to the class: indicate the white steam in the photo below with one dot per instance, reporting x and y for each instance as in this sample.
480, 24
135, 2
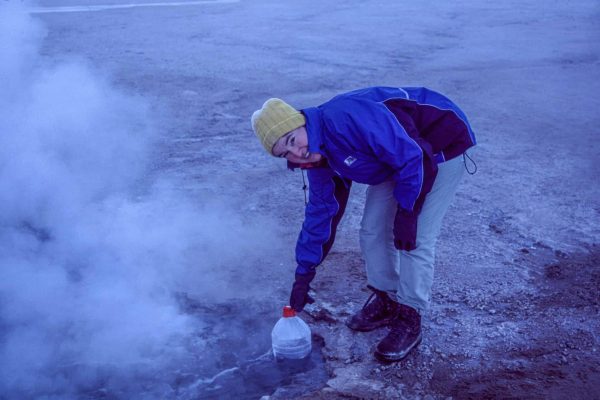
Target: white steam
88, 269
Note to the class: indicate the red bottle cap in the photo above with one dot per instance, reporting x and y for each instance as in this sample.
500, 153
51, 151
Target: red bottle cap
288, 312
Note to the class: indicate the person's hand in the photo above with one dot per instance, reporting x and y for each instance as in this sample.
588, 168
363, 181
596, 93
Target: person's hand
299, 296
405, 231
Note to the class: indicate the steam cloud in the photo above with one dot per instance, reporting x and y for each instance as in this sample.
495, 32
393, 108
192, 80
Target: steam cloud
89, 266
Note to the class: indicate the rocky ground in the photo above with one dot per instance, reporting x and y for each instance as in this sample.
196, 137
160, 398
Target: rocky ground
489, 341
516, 296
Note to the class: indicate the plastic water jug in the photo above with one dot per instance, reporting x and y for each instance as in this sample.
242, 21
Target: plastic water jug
290, 336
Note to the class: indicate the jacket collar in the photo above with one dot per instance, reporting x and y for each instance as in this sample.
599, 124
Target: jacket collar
323, 163
314, 129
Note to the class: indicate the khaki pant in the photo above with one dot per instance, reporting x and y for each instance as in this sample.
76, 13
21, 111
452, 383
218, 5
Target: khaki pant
407, 275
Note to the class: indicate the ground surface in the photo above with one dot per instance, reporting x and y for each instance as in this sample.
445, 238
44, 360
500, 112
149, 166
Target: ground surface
516, 297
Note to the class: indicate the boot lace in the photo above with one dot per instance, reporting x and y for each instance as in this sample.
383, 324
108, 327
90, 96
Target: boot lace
378, 305
408, 321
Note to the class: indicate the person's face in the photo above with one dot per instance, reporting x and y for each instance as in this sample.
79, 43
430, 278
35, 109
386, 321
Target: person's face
293, 146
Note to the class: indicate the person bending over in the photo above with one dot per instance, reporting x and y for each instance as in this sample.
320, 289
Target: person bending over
408, 145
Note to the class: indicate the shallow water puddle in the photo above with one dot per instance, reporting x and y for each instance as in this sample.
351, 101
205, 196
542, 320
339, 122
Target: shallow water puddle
239, 359
264, 375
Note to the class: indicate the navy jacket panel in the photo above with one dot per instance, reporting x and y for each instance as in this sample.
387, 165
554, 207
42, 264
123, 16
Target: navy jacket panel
430, 100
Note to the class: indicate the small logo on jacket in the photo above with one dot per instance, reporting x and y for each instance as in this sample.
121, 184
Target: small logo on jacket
349, 161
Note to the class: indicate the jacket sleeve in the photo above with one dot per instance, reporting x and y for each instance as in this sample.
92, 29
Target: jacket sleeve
396, 143
328, 196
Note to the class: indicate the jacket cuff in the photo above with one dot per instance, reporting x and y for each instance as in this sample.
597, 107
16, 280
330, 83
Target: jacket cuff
301, 270
403, 215
305, 279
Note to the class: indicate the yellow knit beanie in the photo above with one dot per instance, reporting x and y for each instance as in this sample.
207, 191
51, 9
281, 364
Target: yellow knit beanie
273, 120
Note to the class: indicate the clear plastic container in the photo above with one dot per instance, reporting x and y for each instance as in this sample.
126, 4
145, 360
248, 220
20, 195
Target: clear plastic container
290, 336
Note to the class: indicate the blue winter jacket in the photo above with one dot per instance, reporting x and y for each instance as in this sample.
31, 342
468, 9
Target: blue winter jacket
370, 136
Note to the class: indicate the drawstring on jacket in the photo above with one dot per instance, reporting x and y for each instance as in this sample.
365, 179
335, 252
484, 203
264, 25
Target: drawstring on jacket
304, 187
465, 156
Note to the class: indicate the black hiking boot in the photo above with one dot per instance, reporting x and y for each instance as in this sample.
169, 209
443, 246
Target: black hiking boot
404, 335
374, 314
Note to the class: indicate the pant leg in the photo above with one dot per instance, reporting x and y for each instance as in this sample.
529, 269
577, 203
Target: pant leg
376, 237
416, 267
408, 275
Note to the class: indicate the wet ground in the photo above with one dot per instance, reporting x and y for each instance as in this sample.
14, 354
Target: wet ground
515, 310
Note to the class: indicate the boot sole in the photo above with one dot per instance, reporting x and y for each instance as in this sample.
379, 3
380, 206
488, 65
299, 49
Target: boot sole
368, 328
394, 357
